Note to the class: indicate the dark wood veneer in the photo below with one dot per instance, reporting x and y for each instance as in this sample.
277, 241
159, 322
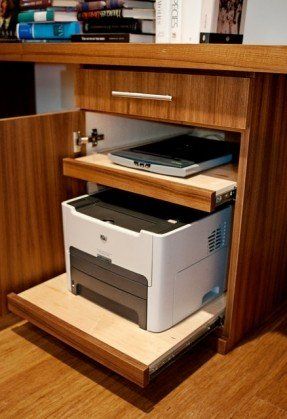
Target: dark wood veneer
258, 269
32, 188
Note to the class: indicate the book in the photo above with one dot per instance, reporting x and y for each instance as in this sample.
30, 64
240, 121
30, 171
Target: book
117, 13
43, 41
163, 21
8, 18
228, 17
91, 5
114, 4
119, 26
49, 15
43, 4
60, 9
47, 30
191, 21
114, 37
201, 18
176, 21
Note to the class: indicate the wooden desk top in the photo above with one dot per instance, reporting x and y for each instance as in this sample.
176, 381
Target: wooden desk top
247, 58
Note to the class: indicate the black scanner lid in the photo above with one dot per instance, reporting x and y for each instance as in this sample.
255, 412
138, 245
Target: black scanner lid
136, 212
180, 151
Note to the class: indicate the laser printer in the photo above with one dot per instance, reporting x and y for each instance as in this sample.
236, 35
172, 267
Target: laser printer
150, 261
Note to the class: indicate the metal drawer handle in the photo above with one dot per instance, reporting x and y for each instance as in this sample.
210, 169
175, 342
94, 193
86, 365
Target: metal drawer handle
133, 95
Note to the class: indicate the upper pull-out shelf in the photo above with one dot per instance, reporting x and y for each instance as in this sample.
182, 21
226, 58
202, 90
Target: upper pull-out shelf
106, 337
204, 192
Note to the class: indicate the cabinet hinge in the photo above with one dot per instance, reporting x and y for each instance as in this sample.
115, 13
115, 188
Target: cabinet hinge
80, 141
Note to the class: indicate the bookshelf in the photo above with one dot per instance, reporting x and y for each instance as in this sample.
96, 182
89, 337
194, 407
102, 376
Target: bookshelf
238, 58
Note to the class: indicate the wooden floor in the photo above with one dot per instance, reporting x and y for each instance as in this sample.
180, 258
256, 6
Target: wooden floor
41, 378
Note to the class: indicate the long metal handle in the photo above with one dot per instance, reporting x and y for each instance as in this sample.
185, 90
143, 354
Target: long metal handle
133, 95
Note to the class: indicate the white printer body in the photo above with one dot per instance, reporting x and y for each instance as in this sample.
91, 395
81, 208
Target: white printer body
155, 279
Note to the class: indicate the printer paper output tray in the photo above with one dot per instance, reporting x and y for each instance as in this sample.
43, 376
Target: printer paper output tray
109, 339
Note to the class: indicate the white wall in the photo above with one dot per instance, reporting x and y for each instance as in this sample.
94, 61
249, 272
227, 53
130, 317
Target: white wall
120, 132
55, 92
54, 87
266, 22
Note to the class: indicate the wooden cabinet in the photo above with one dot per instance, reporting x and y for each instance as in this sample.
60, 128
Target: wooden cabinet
194, 99
254, 105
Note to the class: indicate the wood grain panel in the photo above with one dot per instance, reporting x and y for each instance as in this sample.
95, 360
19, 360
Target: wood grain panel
206, 100
106, 337
267, 59
32, 188
198, 192
258, 264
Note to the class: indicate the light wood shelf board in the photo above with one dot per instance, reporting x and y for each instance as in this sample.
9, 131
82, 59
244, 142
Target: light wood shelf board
121, 334
198, 192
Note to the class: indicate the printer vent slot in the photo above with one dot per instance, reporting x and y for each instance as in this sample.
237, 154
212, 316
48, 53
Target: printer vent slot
217, 238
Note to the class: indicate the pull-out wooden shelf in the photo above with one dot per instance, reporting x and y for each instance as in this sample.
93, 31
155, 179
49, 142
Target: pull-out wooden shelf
105, 337
203, 192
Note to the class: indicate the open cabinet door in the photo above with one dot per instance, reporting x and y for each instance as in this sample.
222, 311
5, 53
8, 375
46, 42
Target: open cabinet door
32, 188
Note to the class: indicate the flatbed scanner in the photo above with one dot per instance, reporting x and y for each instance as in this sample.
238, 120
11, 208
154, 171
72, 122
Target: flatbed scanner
152, 262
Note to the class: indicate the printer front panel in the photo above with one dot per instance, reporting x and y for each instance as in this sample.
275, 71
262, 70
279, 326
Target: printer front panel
124, 248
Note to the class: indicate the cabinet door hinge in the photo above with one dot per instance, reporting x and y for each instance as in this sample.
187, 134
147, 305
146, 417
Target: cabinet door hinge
80, 141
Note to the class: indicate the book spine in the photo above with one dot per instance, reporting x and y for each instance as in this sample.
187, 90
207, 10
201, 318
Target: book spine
114, 4
100, 14
176, 21
34, 16
47, 30
92, 5
24, 31
35, 4
163, 21
122, 26
209, 16
121, 37
191, 21
62, 9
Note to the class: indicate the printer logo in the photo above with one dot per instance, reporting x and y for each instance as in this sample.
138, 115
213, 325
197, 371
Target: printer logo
103, 238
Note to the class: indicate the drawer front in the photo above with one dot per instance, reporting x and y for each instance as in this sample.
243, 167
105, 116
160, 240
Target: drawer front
208, 100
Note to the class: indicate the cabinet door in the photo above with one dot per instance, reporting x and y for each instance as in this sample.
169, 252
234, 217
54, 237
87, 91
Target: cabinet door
32, 188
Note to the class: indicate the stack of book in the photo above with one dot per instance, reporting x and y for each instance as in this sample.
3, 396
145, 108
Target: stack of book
116, 21
47, 20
